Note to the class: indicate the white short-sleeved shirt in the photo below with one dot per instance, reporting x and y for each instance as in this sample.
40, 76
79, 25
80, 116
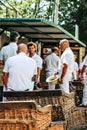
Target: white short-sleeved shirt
81, 65
21, 69
8, 51
76, 67
52, 63
68, 58
38, 60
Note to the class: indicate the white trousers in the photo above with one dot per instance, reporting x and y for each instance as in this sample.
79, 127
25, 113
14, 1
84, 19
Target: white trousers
51, 86
65, 86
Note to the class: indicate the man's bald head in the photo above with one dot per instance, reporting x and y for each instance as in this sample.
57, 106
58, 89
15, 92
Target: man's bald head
22, 48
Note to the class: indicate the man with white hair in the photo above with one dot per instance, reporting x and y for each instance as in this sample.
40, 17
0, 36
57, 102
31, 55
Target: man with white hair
19, 71
67, 61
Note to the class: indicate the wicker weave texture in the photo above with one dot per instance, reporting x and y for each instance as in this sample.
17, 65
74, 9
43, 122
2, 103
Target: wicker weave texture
24, 118
78, 118
65, 105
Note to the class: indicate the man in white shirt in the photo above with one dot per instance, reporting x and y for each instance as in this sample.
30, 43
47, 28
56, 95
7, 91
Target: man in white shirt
32, 48
52, 62
84, 69
9, 50
19, 70
67, 61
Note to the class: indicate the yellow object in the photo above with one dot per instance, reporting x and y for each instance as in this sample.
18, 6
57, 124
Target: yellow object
35, 45
52, 79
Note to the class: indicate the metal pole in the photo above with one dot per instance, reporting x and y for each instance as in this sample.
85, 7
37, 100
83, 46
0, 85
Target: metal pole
56, 11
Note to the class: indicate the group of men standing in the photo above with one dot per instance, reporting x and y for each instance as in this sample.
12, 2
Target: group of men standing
22, 65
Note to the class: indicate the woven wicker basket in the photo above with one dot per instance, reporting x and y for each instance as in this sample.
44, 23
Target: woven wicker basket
63, 109
10, 124
77, 120
24, 116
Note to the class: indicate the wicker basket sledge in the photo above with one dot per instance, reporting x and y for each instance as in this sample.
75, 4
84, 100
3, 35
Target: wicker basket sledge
25, 115
63, 107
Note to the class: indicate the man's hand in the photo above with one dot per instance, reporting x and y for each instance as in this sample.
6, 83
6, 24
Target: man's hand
61, 80
56, 73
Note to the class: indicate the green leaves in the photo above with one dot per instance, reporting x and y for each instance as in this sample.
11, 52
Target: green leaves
70, 12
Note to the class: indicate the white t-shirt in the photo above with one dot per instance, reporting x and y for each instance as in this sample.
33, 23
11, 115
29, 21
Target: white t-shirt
38, 60
21, 69
8, 51
68, 58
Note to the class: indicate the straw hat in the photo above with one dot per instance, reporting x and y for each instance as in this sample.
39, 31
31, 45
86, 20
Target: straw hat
35, 45
53, 79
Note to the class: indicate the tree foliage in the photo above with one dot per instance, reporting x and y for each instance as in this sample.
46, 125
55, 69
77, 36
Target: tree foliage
74, 12
70, 12
23, 8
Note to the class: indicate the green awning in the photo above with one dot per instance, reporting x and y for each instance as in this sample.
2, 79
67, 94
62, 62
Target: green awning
38, 30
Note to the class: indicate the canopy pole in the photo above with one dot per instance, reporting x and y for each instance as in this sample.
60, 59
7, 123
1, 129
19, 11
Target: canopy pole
76, 31
56, 11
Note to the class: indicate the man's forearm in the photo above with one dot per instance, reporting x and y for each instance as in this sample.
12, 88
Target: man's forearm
5, 79
83, 69
1, 62
64, 70
38, 71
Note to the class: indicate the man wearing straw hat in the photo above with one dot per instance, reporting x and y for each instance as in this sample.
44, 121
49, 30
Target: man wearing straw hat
52, 65
32, 48
67, 61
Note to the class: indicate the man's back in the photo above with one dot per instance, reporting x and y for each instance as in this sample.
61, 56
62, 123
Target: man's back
21, 69
52, 62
